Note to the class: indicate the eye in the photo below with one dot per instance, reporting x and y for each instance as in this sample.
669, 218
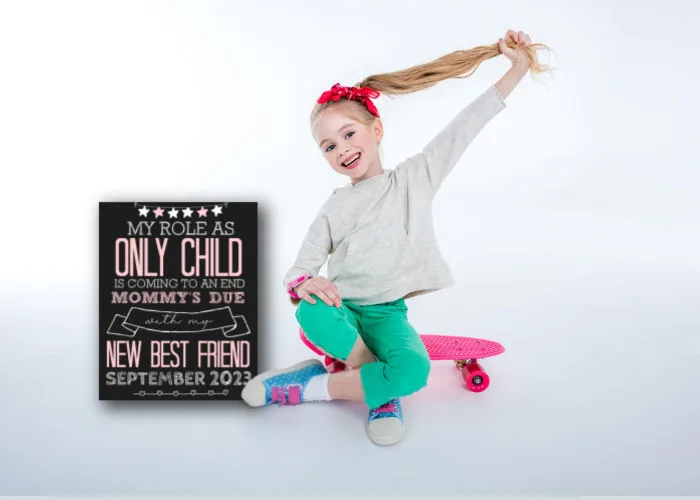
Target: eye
347, 136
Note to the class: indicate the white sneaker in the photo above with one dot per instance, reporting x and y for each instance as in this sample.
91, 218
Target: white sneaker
385, 424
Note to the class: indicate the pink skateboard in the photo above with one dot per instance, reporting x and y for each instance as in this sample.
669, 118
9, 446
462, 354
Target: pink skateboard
464, 351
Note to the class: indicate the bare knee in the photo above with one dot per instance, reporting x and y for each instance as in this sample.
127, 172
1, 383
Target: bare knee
360, 354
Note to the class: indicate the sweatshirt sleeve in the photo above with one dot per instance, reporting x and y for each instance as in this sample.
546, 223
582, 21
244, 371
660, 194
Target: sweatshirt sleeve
314, 251
441, 154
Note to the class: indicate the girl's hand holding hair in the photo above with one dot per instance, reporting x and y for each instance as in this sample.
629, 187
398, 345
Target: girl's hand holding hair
511, 45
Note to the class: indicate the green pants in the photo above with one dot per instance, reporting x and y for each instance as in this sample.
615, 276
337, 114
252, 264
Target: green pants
402, 365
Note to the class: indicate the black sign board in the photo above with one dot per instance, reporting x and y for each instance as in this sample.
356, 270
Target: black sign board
178, 300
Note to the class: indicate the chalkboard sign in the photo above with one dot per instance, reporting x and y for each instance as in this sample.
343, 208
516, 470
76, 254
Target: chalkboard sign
178, 300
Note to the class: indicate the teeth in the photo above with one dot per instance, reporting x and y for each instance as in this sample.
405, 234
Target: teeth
352, 160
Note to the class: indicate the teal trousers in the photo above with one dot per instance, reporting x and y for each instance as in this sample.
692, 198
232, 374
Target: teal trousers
402, 365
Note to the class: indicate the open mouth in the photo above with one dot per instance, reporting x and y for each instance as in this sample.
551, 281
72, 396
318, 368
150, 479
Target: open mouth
352, 161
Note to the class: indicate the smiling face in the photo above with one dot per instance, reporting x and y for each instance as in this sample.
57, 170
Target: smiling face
349, 142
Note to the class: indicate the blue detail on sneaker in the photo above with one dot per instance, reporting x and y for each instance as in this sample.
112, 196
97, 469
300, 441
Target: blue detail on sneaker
391, 409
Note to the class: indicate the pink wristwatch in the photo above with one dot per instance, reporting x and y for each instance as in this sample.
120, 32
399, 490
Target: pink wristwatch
293, 284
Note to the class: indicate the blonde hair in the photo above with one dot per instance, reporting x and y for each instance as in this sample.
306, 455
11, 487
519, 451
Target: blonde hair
458, 64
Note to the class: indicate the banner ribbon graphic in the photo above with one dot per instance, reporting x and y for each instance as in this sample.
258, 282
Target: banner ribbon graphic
140, 320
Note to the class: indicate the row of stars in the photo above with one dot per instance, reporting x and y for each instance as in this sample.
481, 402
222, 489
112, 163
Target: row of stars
158, 212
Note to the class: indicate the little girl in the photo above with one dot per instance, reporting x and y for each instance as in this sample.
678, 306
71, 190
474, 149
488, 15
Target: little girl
378, 233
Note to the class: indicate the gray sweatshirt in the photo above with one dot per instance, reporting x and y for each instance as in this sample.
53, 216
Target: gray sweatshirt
379, 232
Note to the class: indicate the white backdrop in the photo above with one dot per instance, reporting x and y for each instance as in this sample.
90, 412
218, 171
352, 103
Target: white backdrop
571, 227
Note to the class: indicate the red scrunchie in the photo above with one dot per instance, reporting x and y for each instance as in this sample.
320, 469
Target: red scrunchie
364, 95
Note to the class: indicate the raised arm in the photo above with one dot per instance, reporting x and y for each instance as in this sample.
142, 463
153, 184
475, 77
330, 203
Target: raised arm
432, 165
519, 59
437, 159
511, 79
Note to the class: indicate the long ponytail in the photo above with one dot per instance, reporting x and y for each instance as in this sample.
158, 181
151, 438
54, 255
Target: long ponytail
458, 64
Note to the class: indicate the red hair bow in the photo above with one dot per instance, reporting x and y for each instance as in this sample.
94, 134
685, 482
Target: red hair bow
364, 95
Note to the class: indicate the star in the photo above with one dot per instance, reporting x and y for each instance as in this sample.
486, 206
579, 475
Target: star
216, 211
187, 212
158, 212
202, 212
143, 211
173, 213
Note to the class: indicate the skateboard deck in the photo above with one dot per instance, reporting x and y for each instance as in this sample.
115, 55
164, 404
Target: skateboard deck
464, 351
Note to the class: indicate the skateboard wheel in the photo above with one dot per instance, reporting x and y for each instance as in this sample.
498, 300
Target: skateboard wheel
475, 377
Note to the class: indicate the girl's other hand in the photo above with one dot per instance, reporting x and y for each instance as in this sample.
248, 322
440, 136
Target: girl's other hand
322, 288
